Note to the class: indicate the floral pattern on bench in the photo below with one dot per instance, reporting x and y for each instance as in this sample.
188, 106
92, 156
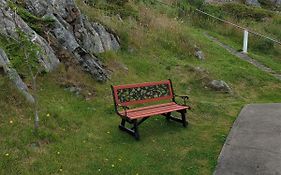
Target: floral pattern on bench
143, 93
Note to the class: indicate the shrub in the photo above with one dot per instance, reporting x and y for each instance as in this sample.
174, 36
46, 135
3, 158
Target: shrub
118, 2
196, 3
262, 45
273, 29
237, 11
114, 7
240, 11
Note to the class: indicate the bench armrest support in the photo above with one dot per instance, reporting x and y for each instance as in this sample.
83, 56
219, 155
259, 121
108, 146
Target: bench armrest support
184, 97
125, 108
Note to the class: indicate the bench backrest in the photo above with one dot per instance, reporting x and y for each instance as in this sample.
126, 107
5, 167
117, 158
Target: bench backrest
131, 94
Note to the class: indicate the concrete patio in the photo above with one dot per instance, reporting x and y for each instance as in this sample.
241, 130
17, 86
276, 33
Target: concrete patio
253, 146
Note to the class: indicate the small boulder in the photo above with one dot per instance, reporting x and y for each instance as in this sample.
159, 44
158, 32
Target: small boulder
220, 85
199, 53
121, 66
75, 90
200, 70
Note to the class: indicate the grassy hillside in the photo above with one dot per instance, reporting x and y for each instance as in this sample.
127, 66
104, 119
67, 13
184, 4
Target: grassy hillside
259, 20
79, 133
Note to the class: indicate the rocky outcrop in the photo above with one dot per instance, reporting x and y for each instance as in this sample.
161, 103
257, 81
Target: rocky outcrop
253, 3
257, 3
72, 30
76, 33
10, 21
220, 1
14, 76
276, 2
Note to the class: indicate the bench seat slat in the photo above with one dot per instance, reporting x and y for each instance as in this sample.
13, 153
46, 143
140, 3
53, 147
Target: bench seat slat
157, 109
151, 107
153, 110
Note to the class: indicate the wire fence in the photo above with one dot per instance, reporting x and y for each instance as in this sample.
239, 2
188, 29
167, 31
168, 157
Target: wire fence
240, 27
228, 22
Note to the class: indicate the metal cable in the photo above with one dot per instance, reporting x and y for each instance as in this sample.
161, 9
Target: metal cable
228, 22
243, 28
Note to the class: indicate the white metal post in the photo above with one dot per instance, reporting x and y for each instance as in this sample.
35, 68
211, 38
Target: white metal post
245, 41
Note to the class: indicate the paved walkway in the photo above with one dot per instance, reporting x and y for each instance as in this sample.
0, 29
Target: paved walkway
253, 146
245, 57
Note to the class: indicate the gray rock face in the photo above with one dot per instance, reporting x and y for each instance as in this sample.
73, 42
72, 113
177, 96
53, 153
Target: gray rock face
276, 2
253, 3
219, 1
219, 85
77, 34
14, 76
248, 2
4, 61
71, 29
9, 22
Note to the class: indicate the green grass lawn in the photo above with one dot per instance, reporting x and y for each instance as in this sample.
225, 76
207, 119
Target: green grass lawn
270, 59
80, 135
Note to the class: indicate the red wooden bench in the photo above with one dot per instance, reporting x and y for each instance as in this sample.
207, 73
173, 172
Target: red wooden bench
126, 97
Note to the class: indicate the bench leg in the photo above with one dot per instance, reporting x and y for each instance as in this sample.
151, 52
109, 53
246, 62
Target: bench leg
133, 131
168, 116
183, 117
136, 134
182, 120
123, 122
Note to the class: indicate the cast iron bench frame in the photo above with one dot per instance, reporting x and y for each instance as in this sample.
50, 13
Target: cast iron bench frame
138, 115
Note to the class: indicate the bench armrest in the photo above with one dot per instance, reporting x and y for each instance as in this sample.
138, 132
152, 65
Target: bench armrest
125, 108
184, 97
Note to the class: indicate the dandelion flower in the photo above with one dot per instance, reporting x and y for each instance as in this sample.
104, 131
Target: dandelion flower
61, 170
99, 169
48, 115
58, 152
7, 154
112, 165
120, 159
11, 122
108, 132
